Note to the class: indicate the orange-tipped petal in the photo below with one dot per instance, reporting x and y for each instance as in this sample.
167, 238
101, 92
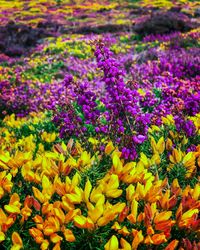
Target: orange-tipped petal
172, 245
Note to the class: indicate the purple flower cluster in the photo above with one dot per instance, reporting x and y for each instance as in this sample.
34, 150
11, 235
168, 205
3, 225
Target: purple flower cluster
116, 114
80, 114
185, 126
16, 99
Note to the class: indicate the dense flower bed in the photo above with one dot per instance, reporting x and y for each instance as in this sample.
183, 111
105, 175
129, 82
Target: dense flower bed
99, 134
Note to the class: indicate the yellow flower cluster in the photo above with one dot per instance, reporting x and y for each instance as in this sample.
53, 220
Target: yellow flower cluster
138, 206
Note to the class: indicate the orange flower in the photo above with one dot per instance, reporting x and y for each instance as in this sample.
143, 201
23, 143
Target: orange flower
6, 221
166, 202
176, 156
175, 188
55, 238
17, 241
124, 231
165, 226
70, 215
149, 212
187, 219
123, 214
138, 238
109, 148
69, 236
159, 238
36, 234
25, 212
39, 222
57, 246
150, 230
124, 244
51, 225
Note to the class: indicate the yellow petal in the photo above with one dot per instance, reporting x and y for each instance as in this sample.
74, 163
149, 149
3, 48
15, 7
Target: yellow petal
189, 159
38, 195
189, 214
96, 213
87, 190
44, 245
144, 159
114, 193
112, 244
163, 216
2, 236
45, 182
113, 182
80, 221
161, 145
11, 209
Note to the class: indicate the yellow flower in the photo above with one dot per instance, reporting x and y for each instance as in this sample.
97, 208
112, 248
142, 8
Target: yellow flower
168, 120
116, 226
47, 137
93, 141
95, 212
130, 190
81, 221
14, 205
176, 156
110, 186
158, 147
87, 190
5, 183
47, 191
110, 213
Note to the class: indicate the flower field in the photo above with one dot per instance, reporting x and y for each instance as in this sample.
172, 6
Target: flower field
99, 125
